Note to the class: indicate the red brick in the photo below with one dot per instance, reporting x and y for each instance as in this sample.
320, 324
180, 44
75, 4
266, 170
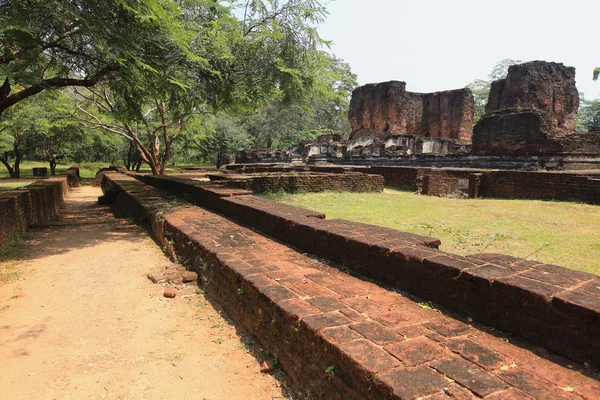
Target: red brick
469, 375
534, 385
510, 394
412, 383
413, 331
339, 334
525, 290
557, 275
326, 304
365, 355
482, 356
515, 353
297, 308
417, 351
320, 321
363, 305
278, 293
354, 315
578, 301
564, 377
448, 327
446, 265
390, 318
489, 272
376, 332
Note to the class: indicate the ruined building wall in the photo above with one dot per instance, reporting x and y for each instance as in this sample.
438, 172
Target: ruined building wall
547, 87
385, 109
532, 113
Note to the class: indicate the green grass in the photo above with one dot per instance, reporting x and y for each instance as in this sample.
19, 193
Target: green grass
563, 233
11, 184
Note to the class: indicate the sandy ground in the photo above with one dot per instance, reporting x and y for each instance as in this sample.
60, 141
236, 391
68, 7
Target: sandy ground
80, 320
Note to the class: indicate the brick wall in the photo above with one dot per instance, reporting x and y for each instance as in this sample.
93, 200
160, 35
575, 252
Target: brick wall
440, 186
539, 185
307, 182
548, 305
34, 205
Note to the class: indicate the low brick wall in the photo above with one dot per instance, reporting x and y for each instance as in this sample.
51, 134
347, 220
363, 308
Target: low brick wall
497, 183
34, 205
440, 186
545, 304
538, 185
375, 343
304, 182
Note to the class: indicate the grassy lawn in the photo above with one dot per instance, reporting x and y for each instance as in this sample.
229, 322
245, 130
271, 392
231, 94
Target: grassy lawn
10, 184
562, 233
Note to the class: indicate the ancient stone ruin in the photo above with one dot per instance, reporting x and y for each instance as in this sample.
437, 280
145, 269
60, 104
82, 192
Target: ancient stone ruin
532, 113
387, 109
529, 124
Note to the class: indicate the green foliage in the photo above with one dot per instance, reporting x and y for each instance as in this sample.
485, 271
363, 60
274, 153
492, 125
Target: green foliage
37, 125
167, 67
588, 115
596, 73
227, 137
323, 109
500, 70
481, 93
77, 43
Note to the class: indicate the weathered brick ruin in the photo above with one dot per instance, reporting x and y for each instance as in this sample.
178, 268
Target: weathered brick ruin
379, 339
302, 182
35, 204
529, 123
532, 113
387, 109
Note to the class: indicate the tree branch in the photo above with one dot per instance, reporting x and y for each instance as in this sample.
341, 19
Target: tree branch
9, 101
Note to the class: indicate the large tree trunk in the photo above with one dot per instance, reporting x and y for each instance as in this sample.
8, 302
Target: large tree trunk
17, 167
11, 171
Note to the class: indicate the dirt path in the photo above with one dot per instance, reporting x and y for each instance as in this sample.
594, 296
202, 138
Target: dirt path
82, 321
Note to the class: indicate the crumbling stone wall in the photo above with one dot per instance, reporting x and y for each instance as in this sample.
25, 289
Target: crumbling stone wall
536, 185
532, 113
440, 186
306, 182
538, 85
36, 204
386, 109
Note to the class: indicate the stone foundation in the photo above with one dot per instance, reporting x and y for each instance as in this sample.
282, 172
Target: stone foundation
303, 182
34, 205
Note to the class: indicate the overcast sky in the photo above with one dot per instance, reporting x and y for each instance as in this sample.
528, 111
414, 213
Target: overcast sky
437, 45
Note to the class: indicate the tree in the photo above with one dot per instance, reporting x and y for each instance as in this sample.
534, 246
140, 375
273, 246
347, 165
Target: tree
38, 125
53, 44
596, 73
500, 70
481, 93
588, 116
231, 64
228, 137
322, 110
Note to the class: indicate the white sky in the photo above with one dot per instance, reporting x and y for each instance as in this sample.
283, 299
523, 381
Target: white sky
437, 45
